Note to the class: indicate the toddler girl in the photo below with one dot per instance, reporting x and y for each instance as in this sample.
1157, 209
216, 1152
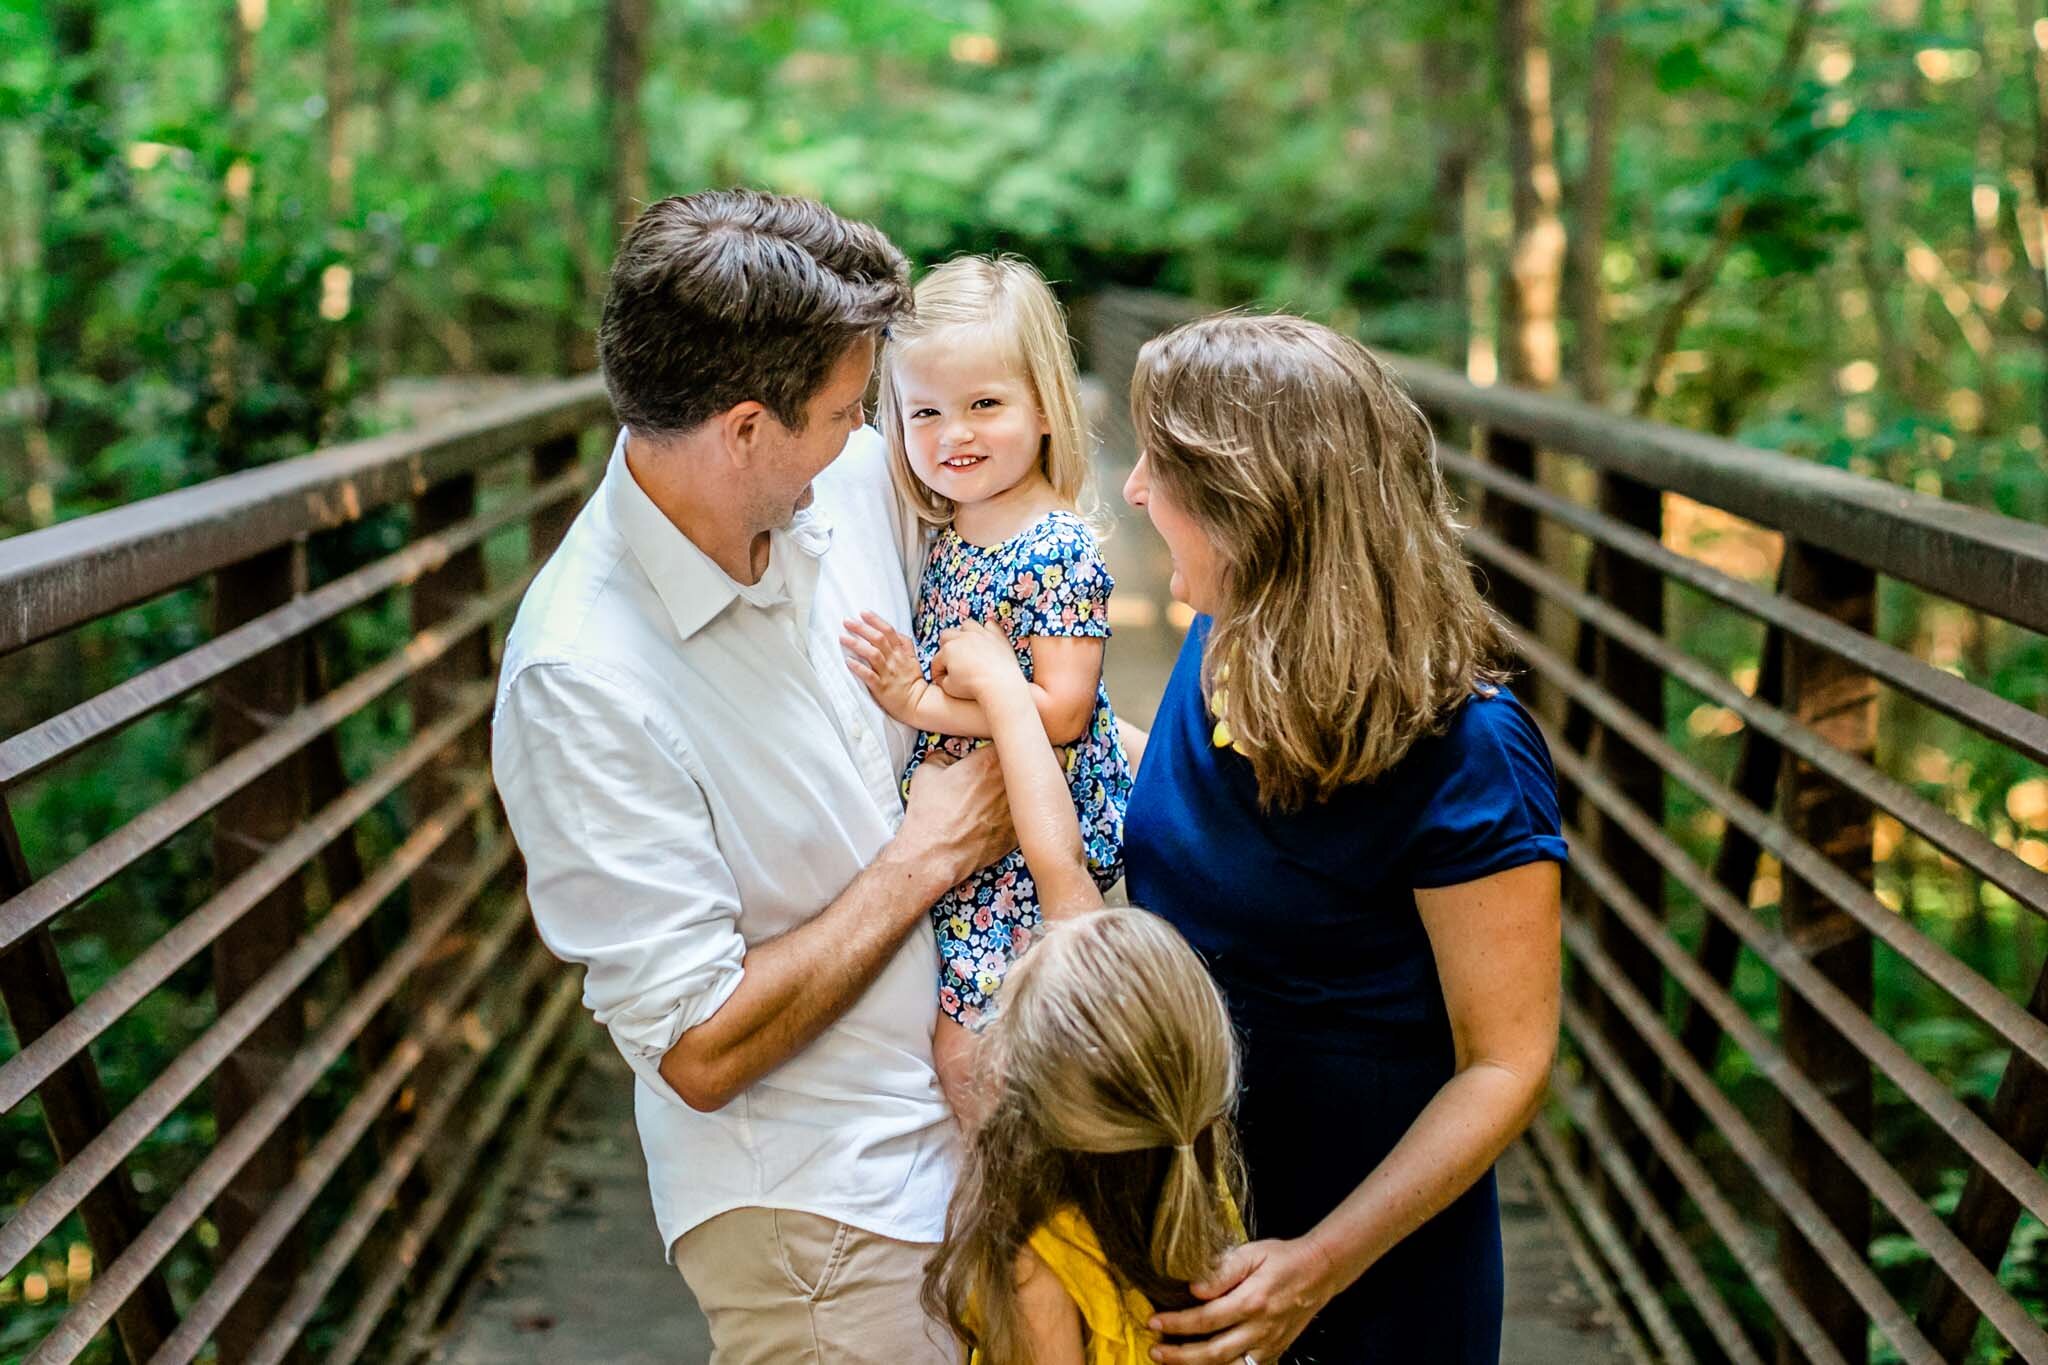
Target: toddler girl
980, 408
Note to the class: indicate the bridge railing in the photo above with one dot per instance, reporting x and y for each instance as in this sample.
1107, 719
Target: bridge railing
279, 1023
1749, 1123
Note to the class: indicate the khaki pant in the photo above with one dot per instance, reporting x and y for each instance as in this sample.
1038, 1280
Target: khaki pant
783, 1288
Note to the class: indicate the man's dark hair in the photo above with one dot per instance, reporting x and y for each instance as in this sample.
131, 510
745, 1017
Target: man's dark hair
731, 296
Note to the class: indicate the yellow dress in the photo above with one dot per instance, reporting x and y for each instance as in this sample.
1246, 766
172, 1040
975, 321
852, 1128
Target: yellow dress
1115, 1316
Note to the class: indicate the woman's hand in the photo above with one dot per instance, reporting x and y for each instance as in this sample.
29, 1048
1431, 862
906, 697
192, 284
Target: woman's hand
1259, 1300
883, 658
973, 659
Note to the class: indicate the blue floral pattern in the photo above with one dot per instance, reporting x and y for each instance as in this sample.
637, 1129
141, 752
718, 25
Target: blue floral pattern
1047, 580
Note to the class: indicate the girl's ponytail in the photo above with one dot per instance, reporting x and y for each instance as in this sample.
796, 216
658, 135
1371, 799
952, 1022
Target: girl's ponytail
1186, 1228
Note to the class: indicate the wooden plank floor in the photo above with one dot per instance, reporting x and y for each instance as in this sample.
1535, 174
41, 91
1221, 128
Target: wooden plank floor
577, 1276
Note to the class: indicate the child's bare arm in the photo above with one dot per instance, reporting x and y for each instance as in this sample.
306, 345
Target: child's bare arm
1067, 668
1052, 1320
883, 658
978, 661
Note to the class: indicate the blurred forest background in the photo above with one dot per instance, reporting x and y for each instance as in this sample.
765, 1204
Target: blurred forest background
233, 232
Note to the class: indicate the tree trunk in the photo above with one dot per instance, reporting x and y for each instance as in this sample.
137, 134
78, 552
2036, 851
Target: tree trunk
1877, 190
337, 281
1729, 218
385, 337
238, 98
1990, 258
2036, 43
1536, 253
1589, 228
78, 151
625, 65
21, 299
1449, 62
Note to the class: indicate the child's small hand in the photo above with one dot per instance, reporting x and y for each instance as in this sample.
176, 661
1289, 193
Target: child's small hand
883, 658
974, 658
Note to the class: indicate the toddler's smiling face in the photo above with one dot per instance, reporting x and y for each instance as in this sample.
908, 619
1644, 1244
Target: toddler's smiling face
971, 424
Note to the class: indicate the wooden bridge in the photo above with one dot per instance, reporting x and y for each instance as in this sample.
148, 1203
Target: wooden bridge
335, 1102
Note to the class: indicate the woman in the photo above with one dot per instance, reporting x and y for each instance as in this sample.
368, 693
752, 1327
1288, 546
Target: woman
1356, 824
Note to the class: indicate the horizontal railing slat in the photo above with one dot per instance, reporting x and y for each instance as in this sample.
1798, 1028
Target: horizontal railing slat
1729, 1225
1670, 1243
232, 1152
325, 1159
92, 1016
93, 868
427, 1301
1967, 986
56, 578
1886, 1184
1962, 1125
24, 755
42, 1211
2006, 721
376, 1298
1970, 847
1994, 563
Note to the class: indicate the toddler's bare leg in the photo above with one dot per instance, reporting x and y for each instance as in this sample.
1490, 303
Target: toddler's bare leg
956, 1053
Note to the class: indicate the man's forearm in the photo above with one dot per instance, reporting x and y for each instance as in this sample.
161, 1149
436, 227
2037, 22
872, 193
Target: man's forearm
794, 985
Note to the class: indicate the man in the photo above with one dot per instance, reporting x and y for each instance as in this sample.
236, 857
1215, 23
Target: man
707, 801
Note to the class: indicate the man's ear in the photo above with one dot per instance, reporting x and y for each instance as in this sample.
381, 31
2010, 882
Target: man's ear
743, 430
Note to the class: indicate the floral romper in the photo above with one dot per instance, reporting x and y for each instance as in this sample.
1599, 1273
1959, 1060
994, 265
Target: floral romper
1048, 579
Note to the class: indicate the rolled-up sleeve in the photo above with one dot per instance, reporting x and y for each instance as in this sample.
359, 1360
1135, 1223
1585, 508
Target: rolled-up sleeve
622, 870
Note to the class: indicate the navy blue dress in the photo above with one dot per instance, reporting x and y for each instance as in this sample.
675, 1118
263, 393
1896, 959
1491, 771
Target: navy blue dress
1308, 921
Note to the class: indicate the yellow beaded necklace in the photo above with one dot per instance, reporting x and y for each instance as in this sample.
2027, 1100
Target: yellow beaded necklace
1221, 737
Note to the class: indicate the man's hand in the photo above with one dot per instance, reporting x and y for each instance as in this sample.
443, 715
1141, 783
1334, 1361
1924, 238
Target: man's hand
795, 985
958, 815
883, 658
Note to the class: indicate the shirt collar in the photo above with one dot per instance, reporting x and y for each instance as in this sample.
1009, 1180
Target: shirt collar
689, 582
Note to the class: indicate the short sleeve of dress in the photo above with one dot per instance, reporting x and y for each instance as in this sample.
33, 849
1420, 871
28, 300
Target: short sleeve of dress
1060, 585
1493, 803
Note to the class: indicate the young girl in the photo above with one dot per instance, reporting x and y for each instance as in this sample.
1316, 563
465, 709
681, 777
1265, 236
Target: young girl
980, 407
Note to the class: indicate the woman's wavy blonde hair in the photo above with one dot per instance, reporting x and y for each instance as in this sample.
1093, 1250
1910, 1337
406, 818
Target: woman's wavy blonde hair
1006, 299
1116, 1074
1349, 625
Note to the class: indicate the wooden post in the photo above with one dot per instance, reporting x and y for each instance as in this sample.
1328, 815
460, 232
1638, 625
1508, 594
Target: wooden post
551, 460
37, 995
436, 597
247, 703
1839, 701
1987, 1212
1636, 589
1515, 524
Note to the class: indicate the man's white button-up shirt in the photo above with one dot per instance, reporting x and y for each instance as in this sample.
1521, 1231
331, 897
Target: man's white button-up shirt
689, 769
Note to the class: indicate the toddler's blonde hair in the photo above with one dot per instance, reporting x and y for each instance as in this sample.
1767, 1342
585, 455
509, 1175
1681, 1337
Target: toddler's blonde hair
1005, 297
